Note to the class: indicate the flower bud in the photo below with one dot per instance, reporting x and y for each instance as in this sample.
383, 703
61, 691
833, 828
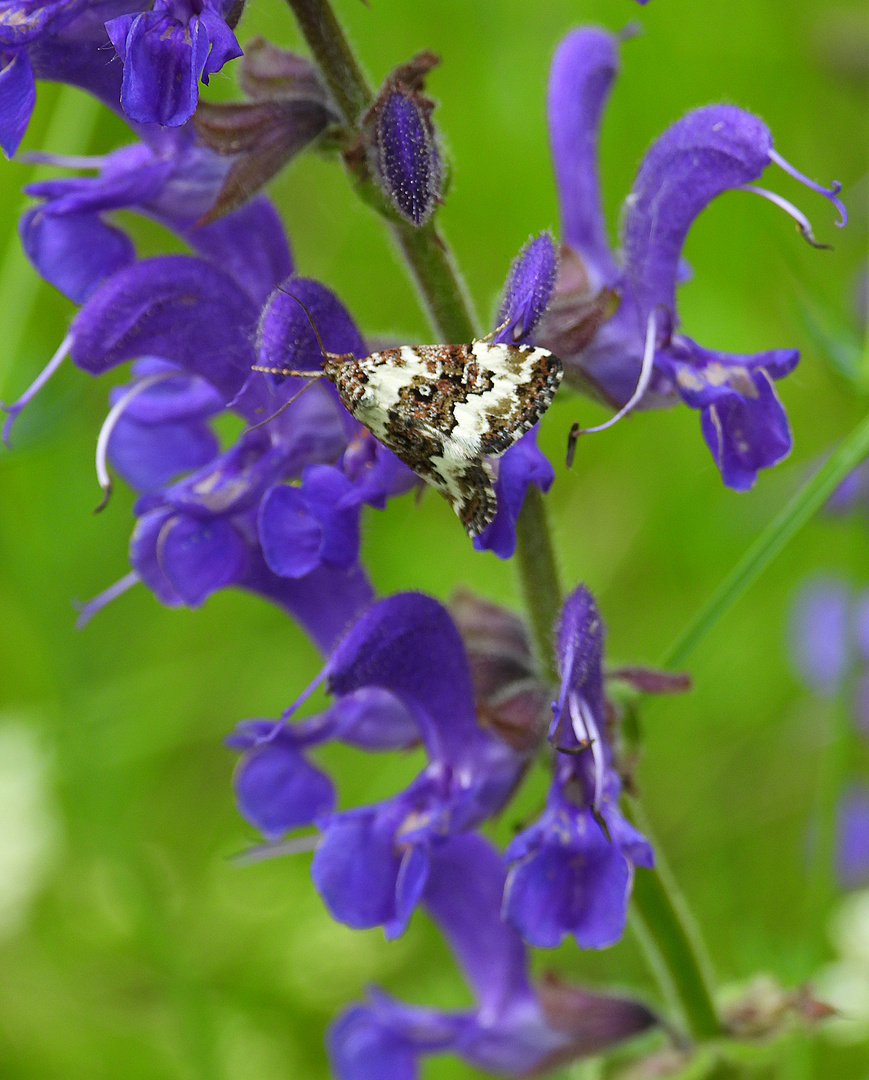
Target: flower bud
403, 144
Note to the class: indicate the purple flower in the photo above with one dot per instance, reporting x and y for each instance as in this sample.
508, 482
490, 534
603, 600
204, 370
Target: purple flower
852, 838
638, 353
820, 642
571, 871
402, 660
166, 51
515, 1028
60, 40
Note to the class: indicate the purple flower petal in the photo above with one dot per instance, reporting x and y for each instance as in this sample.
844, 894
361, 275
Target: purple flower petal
408, 644
174, 307
76, 252
706, 152
17, 98
522, 465
819, 639
278, 790
200, 557
249, 244
852, 841
149, 456
580, 78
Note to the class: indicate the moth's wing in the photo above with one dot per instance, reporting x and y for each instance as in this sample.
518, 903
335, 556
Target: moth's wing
467, 483
509, 388
469, 487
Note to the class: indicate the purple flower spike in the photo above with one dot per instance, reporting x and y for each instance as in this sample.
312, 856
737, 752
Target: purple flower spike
571, 872
515, 1029
165, 52
405, 152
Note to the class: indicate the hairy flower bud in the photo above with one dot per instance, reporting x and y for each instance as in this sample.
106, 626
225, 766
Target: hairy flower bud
402, 142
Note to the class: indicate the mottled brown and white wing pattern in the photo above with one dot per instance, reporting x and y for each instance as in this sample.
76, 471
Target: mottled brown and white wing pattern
443, 408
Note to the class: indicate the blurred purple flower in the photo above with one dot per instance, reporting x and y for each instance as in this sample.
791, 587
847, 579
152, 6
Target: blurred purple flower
637, 352
515, 1028
852, 838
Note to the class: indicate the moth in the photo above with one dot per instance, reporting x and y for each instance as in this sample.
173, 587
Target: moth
445, 409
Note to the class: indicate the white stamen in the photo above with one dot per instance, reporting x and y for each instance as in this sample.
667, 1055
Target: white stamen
831, 193
803, 223
88, 610
584, 721
293, 846
109, 424
37, 384
637, 396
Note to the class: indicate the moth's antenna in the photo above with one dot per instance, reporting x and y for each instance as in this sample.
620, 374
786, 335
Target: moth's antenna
493, 333
323, 350
278, 371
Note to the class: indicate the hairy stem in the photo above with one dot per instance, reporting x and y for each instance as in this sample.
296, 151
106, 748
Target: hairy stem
538, 576
424, 249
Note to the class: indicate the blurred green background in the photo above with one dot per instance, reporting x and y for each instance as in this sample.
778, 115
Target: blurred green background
130, 944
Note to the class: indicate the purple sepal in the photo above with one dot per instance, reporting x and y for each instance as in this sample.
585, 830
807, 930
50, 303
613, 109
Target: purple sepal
852, 838
180, 308
582, 72
165, 52
523, 464
300, 527
74, 253
819, 639
526, 293
276, 788
17, 98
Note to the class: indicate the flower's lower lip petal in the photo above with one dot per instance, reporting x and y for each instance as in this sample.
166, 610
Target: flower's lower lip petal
355, 869
278, 790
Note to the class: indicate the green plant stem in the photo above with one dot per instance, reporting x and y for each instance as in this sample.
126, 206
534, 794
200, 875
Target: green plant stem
538, 576
810, 498
424, 249
334, 58
674, 953
672, 943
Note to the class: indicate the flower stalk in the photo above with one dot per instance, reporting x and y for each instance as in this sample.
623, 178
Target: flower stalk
424, 249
